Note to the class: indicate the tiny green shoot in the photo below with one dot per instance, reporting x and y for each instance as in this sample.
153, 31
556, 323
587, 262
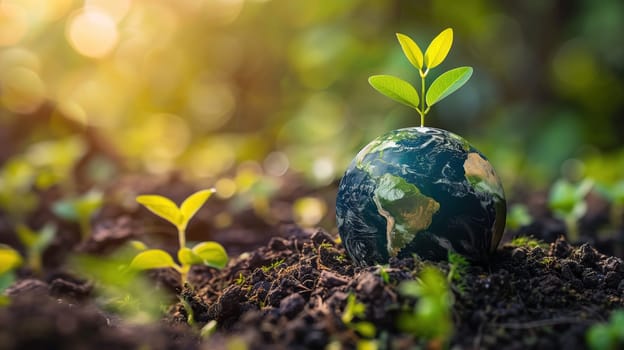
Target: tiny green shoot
518, 217
274, 265
458, 266
431, 317
204, 253
567, 201
444, 85
383, 273
354, 309
35, 244
80, 209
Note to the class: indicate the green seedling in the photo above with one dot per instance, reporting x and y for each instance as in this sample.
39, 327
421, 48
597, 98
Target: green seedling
204, 253
354, 309
35, 244
431, 317
120, 290
458, 266
383, 273
10, 260
518, 217
80, 209
607, 336
17, 198
447, 83
274, 265
567, 201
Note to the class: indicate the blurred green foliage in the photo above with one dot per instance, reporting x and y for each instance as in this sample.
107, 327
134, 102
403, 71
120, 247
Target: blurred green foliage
212, 86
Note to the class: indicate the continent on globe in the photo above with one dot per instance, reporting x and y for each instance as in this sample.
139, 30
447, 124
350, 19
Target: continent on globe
422, 191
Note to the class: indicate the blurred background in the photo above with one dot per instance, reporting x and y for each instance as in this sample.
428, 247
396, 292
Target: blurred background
246, 94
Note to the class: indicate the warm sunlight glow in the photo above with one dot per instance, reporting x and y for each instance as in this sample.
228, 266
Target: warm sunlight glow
92, 33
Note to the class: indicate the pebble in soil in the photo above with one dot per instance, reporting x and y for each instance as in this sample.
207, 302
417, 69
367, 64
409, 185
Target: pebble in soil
292, 292
420, 190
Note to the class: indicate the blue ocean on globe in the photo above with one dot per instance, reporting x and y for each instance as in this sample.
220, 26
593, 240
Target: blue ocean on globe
423, 191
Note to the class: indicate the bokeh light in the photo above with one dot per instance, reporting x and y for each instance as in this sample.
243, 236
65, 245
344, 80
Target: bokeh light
92, 32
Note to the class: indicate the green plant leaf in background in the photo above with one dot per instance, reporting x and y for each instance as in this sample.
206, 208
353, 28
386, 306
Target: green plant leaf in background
187, 257
211, 254
411, 50
447, 83
395, 88
163, 207
439, 48
153, 259
191, 205
9, 258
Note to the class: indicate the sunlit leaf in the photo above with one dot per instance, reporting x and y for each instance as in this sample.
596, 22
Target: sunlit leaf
192, 204
152, 259
211, 254
395, 88
411, 50
447, 83
366, 329
88, 204
187, 257
439, 48
9, 258
162, 207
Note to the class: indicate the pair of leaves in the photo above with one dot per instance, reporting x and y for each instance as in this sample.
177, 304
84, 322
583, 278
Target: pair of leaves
434, 55
403, 92
206, 253
168, 210
79, 208
36, 241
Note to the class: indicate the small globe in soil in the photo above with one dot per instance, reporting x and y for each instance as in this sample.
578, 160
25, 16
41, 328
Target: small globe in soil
422, 191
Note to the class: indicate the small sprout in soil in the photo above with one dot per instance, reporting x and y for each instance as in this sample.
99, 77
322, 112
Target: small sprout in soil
80, 209
607, 335
458, 266
204, 253
121, 290
447, 83
518, 217
10, 260
354, 309
17, 197
35, 244
567, 201
529, 242
431, 317
383, 273
240, 279
274, 265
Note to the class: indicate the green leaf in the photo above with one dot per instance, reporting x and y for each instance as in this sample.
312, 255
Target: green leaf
88, 204
366, 329
447, 83
211, 254
191, 205
26, 235
137, 245
9, 258
395, 88
6, 280
152, 259
162, 207
439, 48
411, 50
187, 257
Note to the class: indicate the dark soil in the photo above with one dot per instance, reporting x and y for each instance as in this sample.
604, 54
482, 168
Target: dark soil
287, 287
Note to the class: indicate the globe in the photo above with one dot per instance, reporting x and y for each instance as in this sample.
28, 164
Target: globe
423, 191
